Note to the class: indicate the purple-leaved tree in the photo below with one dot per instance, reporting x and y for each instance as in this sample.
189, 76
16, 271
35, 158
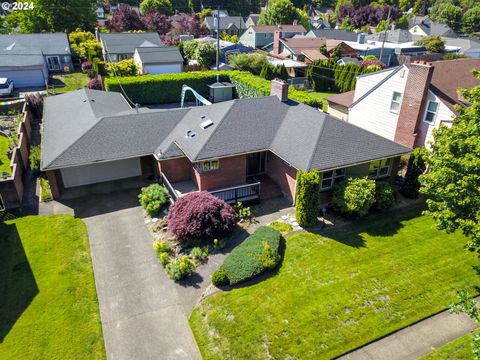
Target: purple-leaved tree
124, 18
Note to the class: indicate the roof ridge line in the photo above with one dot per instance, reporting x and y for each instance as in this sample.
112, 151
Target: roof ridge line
318, 141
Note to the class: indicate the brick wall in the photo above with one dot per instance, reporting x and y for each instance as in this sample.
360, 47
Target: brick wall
285, 176
413, 103
55, 180
176, 170
232, 172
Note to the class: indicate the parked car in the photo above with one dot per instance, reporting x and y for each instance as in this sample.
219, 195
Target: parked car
6, 87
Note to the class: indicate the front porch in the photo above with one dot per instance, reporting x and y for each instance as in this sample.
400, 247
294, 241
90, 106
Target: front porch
257, 188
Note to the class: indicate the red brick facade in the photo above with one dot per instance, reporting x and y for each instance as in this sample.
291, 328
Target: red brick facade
412, 109
232, 171
285, 176
55, 180
176, 170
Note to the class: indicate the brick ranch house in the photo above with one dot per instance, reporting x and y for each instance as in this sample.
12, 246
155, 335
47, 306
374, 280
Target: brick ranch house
239, 150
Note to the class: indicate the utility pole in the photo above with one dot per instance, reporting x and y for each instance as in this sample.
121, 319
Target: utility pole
385, 33
218, 36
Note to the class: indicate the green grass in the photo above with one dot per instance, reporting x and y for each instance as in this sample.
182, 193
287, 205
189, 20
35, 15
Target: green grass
69, 82
4, 160
321, 96
48, 302
460, 348
336, 292
284, 228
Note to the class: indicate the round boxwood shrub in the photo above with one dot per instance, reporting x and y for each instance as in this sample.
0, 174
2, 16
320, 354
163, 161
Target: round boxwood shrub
200, 215
385, 195
179, 269
153, 197
355, 196
220, 278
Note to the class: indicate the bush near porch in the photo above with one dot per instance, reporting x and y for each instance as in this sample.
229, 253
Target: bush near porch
337, 291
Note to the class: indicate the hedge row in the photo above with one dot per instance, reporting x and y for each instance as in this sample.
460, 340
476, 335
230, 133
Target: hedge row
166, 88
257, 254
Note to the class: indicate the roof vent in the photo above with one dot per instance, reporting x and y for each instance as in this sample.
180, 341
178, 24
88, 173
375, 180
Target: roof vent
207, 123
189, 134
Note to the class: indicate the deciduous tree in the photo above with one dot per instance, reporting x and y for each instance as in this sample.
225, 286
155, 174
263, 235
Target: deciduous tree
162, 6
279, 12
124, 18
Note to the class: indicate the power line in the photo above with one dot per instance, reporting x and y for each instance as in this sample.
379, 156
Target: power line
119, 83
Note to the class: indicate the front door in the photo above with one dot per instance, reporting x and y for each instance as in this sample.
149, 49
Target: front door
256, 163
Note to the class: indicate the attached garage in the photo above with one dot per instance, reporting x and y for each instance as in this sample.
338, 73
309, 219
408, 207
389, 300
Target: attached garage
23, 78
26, 69
162, 68
101, 172
158, 60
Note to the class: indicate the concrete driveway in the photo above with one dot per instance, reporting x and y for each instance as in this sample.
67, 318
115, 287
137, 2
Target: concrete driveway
142, 315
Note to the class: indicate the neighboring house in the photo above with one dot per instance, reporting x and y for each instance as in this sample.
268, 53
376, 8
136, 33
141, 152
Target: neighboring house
339, 104
230, 149
397, 36
427, 27
335, 34
100, 11
121, 46
29, 59
252, 20
294, 68
232, 25
226, 47
306, 49
406, 103
468, 46
262, 35
158, 60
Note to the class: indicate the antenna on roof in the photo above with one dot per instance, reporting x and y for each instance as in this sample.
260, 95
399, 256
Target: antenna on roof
137, 105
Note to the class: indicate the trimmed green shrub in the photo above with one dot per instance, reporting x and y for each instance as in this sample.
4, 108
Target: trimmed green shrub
161, 247
220, 278
34, 158
284, 228
247, 62
163, 258
46, 191
167, 88
99, 66
179, 269
385, 195
257, 254
125, 67
355, 196
199, 253
416, 167
307, 200
152, 198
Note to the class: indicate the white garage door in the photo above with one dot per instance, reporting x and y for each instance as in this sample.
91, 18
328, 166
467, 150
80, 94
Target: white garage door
95, 173
164, 69
24, 78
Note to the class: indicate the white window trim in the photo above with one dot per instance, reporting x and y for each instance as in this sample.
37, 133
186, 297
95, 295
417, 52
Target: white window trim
52, 67
393, 101
332, 179
201, 165
387, 174
427, 111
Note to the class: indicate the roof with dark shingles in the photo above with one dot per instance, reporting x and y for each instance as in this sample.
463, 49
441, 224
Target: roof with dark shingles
159, 55
299, 134
125, 43
283, 28
225, 22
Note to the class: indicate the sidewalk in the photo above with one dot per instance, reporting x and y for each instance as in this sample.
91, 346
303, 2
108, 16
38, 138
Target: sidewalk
416, 340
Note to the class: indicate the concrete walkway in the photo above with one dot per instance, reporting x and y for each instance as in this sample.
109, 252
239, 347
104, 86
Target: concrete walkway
416, 340
142, 314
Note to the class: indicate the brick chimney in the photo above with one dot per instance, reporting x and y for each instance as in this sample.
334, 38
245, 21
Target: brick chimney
413, 103
279, 88
276, 42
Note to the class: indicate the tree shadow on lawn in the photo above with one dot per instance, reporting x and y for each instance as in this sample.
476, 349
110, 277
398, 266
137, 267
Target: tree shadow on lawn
17, 283
376, 224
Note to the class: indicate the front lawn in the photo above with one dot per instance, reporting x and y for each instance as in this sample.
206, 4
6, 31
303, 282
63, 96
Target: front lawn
68, 82
321, 96
48, 302
336, 292
4, 160
460, 348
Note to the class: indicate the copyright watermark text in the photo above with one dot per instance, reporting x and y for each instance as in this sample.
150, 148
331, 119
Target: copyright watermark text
21, 5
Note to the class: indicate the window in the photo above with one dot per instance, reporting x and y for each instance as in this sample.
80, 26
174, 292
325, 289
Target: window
431, 112
210, 165
396, 101
330, 178
53, 62
379, 168
67, 59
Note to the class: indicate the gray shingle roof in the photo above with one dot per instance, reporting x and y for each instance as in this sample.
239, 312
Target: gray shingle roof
299, 134
159, 55
48, 44
225, 22
125, 43
337, 34
21, 58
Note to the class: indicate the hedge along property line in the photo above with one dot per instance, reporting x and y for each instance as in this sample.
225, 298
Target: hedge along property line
167, 88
